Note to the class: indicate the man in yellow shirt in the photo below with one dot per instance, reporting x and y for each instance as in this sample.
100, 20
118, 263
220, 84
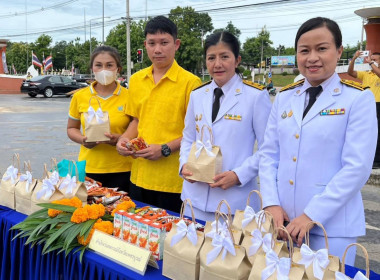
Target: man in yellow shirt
372, 80
159, 96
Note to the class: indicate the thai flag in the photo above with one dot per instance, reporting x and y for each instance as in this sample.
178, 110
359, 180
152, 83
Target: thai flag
35, 60
48, 62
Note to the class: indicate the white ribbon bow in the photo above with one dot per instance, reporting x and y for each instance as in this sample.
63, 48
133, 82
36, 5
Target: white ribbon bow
11, 174
250, 214
220, 242
320, 260
207, 146
184, 230
98, 114
359, 276
276, 264
258, 241
222, 229
54, 178
68, 184
28, 179
47, 189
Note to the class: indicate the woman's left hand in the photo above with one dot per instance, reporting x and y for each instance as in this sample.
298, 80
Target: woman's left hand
225, 180
297, 228
113, 139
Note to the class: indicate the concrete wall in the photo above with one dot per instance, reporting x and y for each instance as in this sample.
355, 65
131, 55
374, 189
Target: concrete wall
10, 84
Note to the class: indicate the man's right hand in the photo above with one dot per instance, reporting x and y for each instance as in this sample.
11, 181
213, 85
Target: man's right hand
122, 149
279, 216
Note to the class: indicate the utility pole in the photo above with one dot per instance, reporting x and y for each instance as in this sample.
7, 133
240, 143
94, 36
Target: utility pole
203, 71
128, 27
262, 51
146, 10
84, 22
103, 25
361, 41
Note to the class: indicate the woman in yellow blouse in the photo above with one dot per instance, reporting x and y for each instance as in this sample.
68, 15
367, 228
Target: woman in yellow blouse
103, 163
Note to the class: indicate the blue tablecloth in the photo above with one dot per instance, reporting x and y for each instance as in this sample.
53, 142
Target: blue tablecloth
20, 261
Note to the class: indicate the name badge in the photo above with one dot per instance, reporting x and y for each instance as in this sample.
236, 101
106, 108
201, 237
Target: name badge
331, 112
232, 117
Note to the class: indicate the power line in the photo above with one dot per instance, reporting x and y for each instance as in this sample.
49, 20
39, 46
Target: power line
59, 5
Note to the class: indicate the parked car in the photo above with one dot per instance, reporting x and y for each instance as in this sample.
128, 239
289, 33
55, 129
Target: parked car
49, 85
83, 78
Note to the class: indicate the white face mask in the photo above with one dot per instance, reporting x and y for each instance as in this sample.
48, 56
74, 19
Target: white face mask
105, 77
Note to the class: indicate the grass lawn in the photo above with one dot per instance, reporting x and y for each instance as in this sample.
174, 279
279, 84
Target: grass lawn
278, 80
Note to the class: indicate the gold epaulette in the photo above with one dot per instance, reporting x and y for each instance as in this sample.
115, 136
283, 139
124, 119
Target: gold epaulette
202, 85
353, 84
293, 85
255, 85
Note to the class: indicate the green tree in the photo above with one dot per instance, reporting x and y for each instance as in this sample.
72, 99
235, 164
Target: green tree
117, 39
191, 28
230, 28
17, 55
252, 48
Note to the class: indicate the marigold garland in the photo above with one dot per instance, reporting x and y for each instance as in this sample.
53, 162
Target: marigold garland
75, 202
104, 226
125, 205
88, 212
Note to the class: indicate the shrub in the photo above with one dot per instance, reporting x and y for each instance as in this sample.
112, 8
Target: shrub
284, 73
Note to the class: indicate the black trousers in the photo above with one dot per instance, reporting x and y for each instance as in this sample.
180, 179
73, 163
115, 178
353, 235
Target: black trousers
165, 200
377, 154
119, 180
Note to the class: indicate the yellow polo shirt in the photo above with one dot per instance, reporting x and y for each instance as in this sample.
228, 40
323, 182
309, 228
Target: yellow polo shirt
371, 80
103, 158
161, 110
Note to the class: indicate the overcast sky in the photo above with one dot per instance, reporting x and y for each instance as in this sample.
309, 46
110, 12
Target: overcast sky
26, 20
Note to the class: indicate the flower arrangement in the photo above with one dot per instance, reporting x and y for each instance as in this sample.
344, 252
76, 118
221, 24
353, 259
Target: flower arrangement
65, 225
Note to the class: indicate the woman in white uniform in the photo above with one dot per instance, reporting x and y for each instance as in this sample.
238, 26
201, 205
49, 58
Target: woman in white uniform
319, 145
237, 117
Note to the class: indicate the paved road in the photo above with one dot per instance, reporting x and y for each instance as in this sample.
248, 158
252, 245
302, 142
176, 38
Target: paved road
36, 129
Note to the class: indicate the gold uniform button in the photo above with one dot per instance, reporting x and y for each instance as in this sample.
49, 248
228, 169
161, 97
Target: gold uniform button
291, 182
294, 159
297, 136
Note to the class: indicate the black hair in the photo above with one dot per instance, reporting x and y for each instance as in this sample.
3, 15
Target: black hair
317, 22
161, 24
227, 38
376, 53
106, 49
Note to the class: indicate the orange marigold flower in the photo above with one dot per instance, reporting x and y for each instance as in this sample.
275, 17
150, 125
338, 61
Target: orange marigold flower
101, 209
76, 202
104, 226
53, 213
80, 215
124, 206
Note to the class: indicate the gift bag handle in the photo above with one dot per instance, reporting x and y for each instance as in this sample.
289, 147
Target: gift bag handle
307, 237
17, 156
366, 258
187, 201
27, 166
229, 215
291, 247
97, 99
46, 173
219, 214
76, 168
54, 165
259, 194
261, 218
210, 131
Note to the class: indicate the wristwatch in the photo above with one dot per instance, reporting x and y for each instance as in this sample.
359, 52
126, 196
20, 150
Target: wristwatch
165, 150
372, 62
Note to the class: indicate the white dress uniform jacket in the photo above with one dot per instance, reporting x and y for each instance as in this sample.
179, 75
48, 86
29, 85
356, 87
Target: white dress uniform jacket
250, 104
317, 165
